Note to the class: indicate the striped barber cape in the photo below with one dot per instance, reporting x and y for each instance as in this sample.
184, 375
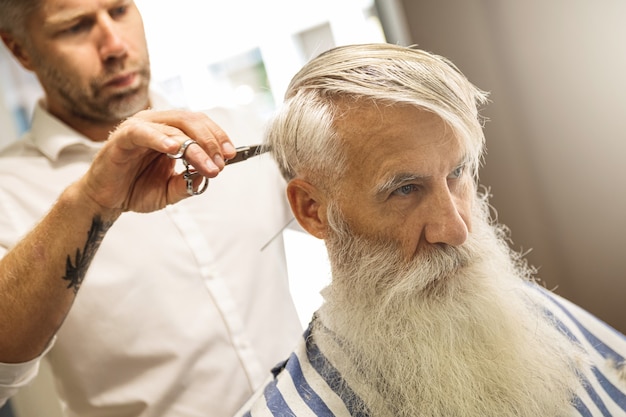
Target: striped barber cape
299, 388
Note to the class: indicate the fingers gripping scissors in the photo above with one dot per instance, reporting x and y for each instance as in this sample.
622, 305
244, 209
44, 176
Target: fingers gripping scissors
243, 153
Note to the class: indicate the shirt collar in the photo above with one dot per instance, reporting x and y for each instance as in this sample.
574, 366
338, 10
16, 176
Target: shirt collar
51, 136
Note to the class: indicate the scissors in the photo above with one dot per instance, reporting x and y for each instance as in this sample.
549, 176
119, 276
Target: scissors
243, 153
246, 152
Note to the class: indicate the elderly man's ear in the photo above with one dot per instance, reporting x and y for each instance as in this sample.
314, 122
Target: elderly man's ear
308, 204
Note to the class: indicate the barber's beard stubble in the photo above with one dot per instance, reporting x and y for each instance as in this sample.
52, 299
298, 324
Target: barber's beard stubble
92, 102
452, 332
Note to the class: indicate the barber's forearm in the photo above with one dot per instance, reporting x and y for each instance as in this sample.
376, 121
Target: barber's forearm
40, 276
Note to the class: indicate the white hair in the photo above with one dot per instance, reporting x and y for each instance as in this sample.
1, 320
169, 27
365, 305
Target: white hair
302, 137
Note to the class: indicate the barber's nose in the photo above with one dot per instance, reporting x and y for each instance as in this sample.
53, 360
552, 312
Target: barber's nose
445, 224
112, 44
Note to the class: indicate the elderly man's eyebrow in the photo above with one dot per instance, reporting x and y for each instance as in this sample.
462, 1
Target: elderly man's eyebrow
403, 178
398, 180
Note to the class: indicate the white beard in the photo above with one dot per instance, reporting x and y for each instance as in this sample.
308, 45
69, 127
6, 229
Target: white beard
453, 332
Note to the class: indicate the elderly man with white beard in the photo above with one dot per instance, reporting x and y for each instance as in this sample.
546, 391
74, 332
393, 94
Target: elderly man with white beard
429, 312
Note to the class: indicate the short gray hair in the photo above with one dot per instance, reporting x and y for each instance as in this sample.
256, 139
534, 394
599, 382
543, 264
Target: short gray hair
301, 134
13, 15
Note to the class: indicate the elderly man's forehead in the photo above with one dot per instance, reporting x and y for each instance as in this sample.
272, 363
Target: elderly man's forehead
363, 118
360, 123
368, 130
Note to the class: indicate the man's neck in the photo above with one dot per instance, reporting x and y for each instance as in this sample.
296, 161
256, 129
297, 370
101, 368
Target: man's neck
96, 130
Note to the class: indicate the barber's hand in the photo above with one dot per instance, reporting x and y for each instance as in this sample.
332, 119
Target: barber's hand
132, 172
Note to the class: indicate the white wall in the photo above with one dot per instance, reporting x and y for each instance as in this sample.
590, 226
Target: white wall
8, 128
19, 90
7, 125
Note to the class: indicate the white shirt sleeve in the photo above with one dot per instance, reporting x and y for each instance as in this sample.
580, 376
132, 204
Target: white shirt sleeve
14, 376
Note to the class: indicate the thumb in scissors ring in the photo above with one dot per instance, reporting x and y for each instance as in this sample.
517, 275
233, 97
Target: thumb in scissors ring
190, 172
181, 151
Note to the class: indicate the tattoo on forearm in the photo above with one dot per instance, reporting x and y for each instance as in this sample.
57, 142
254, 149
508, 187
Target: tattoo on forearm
75, 272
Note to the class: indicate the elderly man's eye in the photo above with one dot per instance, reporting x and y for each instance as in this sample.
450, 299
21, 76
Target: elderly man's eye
405, 189
457, 173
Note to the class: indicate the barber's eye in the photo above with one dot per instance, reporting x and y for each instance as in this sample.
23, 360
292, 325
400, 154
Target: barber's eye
118, 11
79, 27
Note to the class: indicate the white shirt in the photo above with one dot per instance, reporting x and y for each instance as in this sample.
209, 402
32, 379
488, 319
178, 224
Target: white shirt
181, 312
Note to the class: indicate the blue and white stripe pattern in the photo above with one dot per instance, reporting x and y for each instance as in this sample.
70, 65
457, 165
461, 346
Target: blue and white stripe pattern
604, 394
297, 388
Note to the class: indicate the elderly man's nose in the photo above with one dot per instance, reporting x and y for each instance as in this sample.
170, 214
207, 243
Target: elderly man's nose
445, 224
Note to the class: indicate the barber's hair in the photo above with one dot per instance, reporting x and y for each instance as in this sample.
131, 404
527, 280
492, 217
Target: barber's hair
302, 137
13, 14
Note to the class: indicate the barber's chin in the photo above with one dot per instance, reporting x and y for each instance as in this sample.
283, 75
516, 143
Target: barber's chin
129, 102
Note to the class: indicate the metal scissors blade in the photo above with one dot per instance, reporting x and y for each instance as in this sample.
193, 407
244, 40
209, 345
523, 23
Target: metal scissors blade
246, 152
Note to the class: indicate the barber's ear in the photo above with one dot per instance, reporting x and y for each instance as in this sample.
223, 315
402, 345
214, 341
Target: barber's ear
17, 50
308, 206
